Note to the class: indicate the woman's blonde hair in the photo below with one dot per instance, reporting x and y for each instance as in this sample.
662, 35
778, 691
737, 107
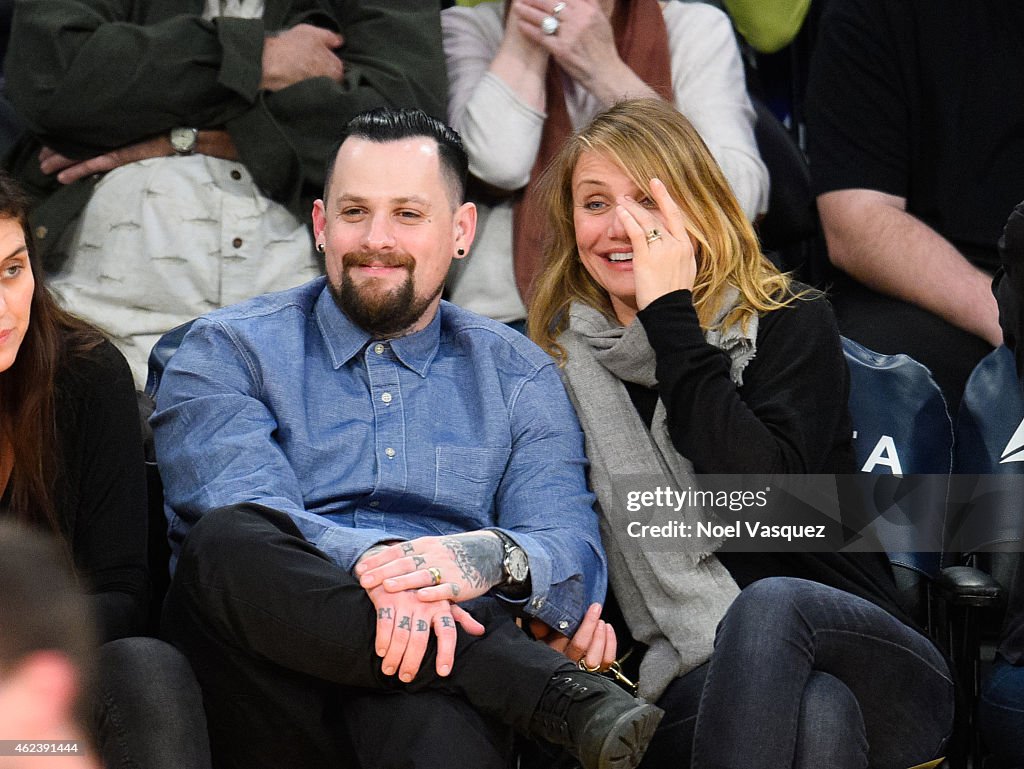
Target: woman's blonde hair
649, 138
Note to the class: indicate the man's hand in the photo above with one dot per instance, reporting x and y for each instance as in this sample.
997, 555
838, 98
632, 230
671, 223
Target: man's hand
216, 143
404, 623
468, 565
298, 54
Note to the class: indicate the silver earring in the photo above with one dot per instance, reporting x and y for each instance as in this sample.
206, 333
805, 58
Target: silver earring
321, 247
461, 252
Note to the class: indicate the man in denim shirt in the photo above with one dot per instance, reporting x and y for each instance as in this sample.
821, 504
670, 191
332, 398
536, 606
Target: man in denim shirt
348, 465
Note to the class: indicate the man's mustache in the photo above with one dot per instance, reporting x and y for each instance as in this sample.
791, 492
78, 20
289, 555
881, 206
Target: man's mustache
367, 258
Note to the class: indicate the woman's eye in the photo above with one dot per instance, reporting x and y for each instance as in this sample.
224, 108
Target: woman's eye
12, 270
648, 203
594, 205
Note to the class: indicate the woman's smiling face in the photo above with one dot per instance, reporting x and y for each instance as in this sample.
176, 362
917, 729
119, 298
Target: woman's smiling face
16, 287
602, 242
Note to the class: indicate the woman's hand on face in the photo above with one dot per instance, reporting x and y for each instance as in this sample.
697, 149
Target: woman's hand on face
583, 46
664, 263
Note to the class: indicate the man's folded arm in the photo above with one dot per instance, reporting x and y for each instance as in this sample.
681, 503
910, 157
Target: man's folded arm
85, 78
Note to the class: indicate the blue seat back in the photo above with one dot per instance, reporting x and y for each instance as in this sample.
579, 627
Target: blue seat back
990, 456
902, 429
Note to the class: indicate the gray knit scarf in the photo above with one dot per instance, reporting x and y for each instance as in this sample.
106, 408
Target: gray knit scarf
672, 598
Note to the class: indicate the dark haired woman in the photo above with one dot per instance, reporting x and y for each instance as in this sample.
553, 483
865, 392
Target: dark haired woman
71, 463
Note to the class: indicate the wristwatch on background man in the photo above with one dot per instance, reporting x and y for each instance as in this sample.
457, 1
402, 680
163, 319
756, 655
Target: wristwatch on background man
183, 140
514, 564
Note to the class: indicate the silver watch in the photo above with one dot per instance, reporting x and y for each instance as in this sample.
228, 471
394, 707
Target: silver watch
515, 564
183, 140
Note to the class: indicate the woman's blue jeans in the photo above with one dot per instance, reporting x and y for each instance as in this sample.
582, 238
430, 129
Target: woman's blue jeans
1001, 713
804, 675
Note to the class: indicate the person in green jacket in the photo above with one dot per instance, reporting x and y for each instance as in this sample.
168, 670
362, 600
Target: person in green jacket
175, 146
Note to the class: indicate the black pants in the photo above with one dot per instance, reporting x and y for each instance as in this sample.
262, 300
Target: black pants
281, 640
889, 326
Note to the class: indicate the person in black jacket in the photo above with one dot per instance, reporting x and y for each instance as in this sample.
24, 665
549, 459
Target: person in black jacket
686, 352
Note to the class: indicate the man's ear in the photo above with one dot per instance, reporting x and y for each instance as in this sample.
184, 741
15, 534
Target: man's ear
464, 226
319, 221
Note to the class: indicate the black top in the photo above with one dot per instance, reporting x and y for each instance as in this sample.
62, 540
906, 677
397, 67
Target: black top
101, 490
789, 416
919, 98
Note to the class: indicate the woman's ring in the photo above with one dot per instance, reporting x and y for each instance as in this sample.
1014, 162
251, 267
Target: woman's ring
559, 7
653, 235
435, 575
582, 665
549, 25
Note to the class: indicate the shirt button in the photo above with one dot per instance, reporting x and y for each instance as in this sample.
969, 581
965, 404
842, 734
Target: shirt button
563, 625
237, 242
378, 348
386, 397
236, 175
390, 452
538, 602
375, 503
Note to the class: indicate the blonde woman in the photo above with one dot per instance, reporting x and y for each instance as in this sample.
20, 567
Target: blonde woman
685, 351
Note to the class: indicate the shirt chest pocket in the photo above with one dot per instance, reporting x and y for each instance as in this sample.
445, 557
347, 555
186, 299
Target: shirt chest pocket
467, 477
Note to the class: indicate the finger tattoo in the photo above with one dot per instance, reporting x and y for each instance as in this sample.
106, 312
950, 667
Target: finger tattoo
418, 561
408, 548
405, 623
421, 626
446, 621
384, 614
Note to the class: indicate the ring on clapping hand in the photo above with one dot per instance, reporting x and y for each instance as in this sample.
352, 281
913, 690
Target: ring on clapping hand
549, 25
582, 665
653, 235
559, 7
435, 575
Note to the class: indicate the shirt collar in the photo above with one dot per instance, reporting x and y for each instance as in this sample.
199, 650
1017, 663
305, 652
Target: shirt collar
344, 339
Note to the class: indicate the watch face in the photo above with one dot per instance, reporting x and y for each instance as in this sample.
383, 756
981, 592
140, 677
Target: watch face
517, 564
183, 140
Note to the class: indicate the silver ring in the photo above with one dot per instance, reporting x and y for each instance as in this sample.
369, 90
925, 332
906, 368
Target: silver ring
549, 25
559, 7
653, 235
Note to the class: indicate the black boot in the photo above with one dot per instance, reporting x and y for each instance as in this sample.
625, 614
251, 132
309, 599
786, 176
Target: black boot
595, 720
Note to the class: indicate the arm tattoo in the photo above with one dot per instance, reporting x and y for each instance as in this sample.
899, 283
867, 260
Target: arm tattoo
404, 623
478, 557
384, 613
421, 626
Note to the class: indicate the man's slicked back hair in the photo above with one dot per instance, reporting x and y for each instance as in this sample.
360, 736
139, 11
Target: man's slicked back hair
386, 124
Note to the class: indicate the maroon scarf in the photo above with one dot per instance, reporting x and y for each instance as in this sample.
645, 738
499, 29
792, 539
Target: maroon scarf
642, 43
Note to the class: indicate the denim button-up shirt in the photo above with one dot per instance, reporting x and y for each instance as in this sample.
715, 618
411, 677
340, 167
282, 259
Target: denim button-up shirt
465, 425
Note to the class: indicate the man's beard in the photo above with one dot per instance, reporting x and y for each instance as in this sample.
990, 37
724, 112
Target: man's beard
381, 313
